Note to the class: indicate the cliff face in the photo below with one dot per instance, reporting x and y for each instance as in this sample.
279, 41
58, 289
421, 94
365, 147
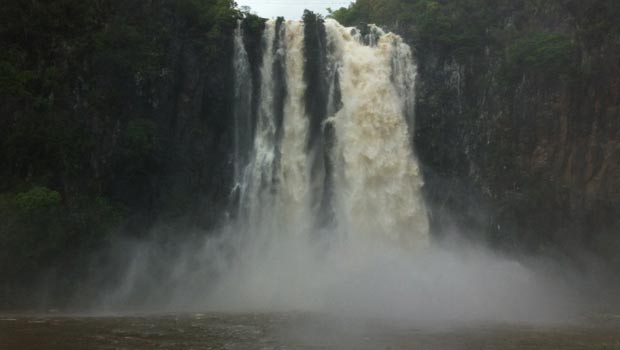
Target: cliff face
139, 87
115, 117
520, 138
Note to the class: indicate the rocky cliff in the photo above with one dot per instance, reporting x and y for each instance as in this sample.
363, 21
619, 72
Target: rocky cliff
518, 131
115, 119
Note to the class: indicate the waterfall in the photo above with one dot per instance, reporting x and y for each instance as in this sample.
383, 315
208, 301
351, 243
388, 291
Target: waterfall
330, 215
294, 174
259, 172
334, 129
242, 108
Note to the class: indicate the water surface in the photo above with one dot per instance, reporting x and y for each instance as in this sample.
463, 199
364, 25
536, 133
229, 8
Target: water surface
290, 331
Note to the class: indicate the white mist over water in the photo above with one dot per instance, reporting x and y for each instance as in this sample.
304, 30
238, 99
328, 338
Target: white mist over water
371, 255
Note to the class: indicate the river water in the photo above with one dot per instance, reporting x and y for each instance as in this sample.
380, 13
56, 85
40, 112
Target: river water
291, 331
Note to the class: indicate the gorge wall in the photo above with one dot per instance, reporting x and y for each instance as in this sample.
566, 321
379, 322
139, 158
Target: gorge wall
528, 151
120, 119
115, 118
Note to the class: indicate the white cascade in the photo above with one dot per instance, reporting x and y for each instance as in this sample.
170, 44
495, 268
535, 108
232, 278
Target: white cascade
242, 108
378, 180
375, 176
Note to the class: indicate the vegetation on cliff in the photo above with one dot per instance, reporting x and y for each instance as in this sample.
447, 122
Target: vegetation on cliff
91, 91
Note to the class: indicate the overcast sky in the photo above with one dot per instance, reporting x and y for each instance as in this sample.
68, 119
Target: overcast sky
291, 9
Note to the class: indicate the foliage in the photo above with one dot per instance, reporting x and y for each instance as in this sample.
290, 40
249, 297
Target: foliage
13, 81
253, 23
39, 197
38, 233
369, 11
548, 53
140, 139
348, 16
122, 48
595, 20
458, 26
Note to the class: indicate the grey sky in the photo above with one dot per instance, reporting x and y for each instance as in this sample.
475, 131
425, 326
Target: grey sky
291, 9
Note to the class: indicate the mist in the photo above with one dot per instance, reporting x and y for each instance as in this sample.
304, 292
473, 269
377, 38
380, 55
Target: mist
452, 281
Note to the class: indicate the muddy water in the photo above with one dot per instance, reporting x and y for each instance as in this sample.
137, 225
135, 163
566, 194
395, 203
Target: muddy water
289, 331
